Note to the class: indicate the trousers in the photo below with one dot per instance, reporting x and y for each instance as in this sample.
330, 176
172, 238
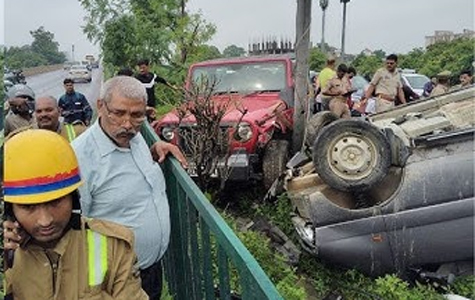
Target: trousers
152, 280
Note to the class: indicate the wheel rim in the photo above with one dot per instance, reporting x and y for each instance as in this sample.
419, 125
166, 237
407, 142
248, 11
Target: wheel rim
352, 157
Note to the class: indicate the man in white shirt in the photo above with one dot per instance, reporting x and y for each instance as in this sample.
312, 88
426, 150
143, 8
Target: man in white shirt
122, 182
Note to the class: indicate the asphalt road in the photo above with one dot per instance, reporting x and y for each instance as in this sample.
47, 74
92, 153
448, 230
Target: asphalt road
51, 84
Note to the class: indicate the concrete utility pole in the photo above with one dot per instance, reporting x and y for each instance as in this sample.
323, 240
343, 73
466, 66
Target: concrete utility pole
343, 29
323, 5
302, 45
72, 52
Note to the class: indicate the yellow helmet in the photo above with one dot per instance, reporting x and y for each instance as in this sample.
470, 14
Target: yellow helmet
39, 166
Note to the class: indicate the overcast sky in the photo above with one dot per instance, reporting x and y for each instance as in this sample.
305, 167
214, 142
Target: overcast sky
392, 25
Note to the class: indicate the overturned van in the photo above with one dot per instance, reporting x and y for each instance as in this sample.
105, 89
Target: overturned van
392, 191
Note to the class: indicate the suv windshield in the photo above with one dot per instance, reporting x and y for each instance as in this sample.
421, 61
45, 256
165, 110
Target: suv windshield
417, 81
260, 76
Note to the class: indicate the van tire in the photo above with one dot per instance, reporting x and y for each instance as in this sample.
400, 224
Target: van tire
351, 155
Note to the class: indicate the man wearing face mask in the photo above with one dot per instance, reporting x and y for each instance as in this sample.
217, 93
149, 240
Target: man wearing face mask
20, 98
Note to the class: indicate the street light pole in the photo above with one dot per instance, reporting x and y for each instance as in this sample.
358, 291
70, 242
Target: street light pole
323, 5
344, 28
72, 53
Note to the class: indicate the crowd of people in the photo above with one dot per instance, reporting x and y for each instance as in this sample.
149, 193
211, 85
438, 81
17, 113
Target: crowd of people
332, 89
90, 206
87, 213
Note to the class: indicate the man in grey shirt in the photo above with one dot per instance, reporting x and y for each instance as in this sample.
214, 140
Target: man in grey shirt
122, 182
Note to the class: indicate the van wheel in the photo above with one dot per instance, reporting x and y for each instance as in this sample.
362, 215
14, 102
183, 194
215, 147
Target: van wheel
316, 123
274, 160
351, 155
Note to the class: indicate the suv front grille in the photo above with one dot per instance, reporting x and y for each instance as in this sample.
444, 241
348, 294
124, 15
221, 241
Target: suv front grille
189, 138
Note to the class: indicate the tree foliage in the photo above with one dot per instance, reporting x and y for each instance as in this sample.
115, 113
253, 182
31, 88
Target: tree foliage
454, 56
317, 59
204, 52
23, 57
44, 50
366, 65
233, 51
45, 45
160, 30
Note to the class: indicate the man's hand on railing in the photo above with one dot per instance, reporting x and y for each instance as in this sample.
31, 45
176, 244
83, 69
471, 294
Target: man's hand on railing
161, 149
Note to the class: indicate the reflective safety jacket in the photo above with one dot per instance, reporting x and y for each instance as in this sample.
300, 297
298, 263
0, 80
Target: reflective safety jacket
72, 131
68, 131
93, 262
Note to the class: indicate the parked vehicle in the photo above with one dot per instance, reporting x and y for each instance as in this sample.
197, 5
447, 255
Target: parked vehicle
391, 192
415, 81
67, 65
80, 73
14, 76
255, 143
361, 85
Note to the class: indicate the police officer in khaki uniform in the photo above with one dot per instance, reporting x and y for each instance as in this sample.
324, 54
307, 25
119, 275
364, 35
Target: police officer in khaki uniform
61, 255
338, 89
47, 113
442, 86
386, 83
20, 98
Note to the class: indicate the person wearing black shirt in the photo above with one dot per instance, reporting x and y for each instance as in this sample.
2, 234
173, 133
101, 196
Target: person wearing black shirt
148, 80
74, 105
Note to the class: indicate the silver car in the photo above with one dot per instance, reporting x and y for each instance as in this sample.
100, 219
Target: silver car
80, 73
415, 81
393, 191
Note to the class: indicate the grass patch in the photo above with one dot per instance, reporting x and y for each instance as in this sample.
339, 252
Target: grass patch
163, 109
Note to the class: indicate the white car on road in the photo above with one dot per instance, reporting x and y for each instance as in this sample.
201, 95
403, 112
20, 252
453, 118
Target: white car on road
80, 73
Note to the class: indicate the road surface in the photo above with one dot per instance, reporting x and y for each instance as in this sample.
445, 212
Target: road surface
51, 83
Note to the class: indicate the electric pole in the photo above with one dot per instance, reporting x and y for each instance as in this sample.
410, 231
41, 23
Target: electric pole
302, 45
343, 29
72, 53
323, 5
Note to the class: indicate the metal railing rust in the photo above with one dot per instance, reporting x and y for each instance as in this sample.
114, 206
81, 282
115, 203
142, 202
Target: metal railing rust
205, 254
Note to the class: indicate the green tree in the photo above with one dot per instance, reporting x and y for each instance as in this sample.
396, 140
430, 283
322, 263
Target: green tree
233, 51
366, 65
379, 54
23, 57
120, 31
415, 59
317, 59
205, 52
161, 30
44, 45
453, 56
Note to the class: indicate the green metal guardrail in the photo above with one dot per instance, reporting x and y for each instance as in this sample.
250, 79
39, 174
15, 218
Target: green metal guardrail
196, 227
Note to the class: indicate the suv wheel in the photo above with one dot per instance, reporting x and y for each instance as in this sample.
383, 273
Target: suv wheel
351, 155
274, 160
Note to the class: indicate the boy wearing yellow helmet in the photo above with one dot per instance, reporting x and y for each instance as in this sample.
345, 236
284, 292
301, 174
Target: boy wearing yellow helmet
87, 258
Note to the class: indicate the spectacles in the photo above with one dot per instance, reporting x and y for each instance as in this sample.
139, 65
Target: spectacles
119, 117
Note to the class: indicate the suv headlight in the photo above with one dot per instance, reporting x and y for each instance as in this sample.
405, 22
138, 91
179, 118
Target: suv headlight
168, 133
243, 133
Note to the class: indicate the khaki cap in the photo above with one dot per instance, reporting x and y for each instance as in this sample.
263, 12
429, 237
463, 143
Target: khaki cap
444, 74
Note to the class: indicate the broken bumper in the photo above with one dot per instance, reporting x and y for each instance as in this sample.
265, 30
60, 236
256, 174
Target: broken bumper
239, 166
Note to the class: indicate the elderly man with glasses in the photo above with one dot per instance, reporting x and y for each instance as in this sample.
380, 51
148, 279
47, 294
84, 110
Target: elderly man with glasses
122, 183
387, 85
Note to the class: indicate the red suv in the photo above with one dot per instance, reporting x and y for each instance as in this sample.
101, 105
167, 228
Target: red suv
256, 144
